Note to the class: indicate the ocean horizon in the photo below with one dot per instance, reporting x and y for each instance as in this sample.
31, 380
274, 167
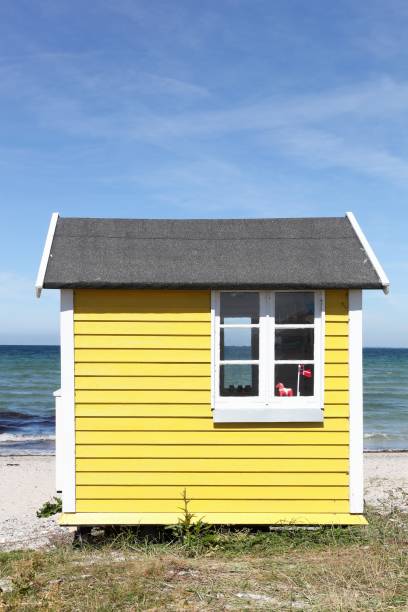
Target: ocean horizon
29, 374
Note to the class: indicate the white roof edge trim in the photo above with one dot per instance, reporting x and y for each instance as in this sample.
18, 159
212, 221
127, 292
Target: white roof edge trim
371, 255
45, 255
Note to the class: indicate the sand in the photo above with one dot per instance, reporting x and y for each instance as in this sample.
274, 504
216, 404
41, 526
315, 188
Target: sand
27, 482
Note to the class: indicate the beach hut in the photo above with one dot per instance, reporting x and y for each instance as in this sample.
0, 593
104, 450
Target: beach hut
222, 357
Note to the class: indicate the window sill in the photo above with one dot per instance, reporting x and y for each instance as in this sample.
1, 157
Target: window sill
267, 414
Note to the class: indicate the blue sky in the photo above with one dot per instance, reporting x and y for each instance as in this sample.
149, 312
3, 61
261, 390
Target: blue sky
227, 108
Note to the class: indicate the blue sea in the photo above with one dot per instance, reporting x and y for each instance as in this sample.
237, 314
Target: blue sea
30, 374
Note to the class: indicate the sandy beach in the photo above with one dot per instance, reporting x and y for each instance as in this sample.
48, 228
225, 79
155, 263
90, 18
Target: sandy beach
26, 482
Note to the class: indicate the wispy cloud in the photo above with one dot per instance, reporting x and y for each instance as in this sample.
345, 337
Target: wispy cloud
325, 150
84, 97
364, 101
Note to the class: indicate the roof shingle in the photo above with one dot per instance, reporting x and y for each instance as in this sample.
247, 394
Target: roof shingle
264, 253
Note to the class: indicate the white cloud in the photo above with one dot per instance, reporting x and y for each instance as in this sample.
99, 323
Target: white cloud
325, 150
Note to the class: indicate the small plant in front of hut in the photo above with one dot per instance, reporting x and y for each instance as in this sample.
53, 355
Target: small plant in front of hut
194, 534
50, 508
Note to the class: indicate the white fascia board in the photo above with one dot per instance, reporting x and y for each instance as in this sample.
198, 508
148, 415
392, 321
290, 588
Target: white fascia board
356, 482
45, 255
368, 249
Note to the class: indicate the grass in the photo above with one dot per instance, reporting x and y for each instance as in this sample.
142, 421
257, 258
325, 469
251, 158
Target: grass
351, 568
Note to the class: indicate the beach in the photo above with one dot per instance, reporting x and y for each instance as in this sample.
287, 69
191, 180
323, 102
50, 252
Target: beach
26, 482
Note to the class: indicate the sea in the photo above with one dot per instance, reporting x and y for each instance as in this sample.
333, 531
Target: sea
30, 374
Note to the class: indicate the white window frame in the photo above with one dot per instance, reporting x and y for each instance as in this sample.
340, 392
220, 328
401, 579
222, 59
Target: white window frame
266, 407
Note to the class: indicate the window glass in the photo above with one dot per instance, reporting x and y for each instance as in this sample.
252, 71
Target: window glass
294, 343
239, 343
241, 307
238, 380
294, 307
294, 379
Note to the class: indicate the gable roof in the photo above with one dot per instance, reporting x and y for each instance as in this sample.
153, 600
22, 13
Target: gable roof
323, 252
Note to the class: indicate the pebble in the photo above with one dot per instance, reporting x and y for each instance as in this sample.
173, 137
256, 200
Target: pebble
31, 533
6, 585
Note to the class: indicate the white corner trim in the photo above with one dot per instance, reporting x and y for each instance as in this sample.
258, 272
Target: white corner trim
45, 255
66, 441
356, 475
59, 437
368, 249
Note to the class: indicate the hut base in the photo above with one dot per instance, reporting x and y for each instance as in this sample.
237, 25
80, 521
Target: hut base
215, 518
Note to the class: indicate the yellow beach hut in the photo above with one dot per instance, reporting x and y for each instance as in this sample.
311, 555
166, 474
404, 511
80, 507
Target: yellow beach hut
223, 357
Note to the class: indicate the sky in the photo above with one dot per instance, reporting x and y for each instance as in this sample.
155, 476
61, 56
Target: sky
187, 109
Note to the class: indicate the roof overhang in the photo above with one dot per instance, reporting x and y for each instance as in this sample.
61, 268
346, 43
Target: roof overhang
368, 249
322, 253
39, 283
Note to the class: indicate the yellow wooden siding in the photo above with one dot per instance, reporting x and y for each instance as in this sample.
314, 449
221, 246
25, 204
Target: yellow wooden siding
144, 429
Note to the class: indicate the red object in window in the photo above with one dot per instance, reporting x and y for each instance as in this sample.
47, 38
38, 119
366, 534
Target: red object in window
305, 373
284, 391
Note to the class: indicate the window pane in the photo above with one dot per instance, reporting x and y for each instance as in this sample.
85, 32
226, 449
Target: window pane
242, 307
239, 343
238, 380
287, 376
296, 307
294, 343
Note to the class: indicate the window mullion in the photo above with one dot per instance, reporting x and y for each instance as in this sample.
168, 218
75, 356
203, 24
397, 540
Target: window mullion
272, 364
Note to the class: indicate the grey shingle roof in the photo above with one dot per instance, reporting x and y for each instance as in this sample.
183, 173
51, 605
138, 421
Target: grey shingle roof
264, 253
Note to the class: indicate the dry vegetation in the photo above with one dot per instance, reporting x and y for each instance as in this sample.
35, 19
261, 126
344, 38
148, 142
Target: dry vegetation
354, 568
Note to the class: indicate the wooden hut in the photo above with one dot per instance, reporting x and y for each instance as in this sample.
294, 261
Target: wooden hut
220, 357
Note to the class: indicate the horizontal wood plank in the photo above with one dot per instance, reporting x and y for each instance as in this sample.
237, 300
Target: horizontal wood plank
207, 464
143, 328
337, 328
144, 396
336, 383
114, 432
336, 397
336, 356
185, 479
190, 423
210, 492
162, 343
336, 369
142, 355
214, 451
195, 383
336, 342
212, 505
153, 302
143, 369
184, 411
336, 302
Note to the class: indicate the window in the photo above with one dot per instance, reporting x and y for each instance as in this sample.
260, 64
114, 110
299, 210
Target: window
267, 348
